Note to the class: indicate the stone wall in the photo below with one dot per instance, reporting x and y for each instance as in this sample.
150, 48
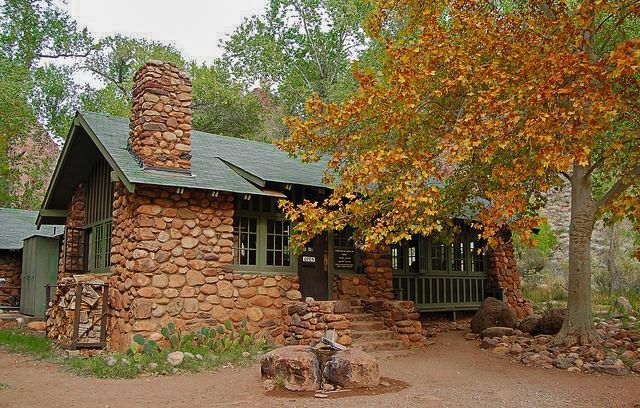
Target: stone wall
351, 286
377, 267
161, 117
172, 261
10, 270
75, 219
306, 322
503, 273
399, 317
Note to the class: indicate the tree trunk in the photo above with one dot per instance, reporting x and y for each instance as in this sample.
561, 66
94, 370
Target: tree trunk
578, 324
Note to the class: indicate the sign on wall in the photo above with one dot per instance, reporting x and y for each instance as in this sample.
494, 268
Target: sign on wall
308, 260
344, 258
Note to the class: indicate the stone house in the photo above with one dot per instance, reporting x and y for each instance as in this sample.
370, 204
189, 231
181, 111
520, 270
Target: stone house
184, 226
15, 226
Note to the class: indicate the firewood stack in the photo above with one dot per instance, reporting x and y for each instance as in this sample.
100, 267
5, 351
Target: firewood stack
61, 310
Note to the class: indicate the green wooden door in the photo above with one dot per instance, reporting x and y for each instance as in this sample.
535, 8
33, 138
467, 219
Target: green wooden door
39, 268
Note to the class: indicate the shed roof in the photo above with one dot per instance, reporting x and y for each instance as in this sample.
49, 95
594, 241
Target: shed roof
17, 225
219, 163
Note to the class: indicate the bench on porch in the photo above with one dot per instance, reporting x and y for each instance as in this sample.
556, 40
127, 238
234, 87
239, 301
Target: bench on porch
444, 293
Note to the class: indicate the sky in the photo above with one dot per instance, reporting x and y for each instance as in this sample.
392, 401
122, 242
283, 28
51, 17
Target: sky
195, 27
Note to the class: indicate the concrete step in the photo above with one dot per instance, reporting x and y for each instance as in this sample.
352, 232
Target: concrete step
367, 325
379, 345
372, 335
361, 317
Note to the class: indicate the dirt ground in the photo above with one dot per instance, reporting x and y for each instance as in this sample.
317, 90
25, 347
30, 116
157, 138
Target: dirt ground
451, 373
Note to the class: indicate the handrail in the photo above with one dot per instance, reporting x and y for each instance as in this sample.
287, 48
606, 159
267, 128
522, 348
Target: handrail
441, 292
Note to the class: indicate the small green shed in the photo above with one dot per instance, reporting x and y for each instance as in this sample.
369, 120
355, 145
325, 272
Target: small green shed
40, 256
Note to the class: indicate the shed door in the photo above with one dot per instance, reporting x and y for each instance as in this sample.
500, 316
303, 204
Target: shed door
47, 272
27, 295
312, 271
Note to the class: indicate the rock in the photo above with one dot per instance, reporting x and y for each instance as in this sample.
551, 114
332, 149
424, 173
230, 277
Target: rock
497, 332
153, 366
111, 361
516, 348
320, 395
488, 343
37, 326
175, 358
493, 313
297, 366
623, 305
610, 369
189, 355
470, 336
328, 387
636, 367
552, 320
352, 368
501, 349
269, 385
530, 324
246, 354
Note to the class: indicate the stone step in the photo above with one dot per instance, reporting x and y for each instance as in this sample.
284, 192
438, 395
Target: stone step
361, 317
357, 309
372, 335
379, 345
367, 325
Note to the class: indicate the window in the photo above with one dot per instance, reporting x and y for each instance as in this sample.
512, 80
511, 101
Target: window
477, 258
438, 255
278, 243
261, 236
245, 240
397, 258
459, 253
100, 249
432, 255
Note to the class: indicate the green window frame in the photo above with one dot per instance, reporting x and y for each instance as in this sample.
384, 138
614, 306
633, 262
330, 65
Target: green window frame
100, 246
260, 229
435, 257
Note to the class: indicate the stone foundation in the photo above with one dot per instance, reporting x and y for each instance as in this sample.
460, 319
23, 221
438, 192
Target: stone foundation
351, 286
503, 273
306, 322
399, 317
10, 271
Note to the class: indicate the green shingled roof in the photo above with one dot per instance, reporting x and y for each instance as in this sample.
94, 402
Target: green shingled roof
217, 162
17, 225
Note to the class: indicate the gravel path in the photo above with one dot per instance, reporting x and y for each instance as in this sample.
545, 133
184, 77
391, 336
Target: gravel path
452, 373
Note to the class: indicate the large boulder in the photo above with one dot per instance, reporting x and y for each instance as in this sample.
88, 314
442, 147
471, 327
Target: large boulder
352, 368
296, 366
530, 324
493, 313
622, 305
552, 320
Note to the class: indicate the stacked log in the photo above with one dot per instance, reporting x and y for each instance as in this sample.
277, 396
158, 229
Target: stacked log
61, 310
10, 273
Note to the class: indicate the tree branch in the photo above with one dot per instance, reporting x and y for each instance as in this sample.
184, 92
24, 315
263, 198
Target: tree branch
619, 187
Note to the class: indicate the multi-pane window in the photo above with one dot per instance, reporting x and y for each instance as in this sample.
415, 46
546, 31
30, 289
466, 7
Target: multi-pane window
434, 255
397, 258
458, 255
100, 250
261, 235
438, 255
477, 258
278, 233
245, 240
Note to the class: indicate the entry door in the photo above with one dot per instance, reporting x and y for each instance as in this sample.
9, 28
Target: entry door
312, 269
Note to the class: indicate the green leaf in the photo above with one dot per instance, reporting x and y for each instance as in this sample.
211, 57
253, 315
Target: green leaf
139, 339
172, 327
228, 325
165, 332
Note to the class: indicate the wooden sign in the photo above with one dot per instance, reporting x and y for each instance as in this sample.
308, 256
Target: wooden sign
344, 258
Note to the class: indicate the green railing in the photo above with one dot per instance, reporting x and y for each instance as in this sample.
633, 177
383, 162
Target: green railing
441, 293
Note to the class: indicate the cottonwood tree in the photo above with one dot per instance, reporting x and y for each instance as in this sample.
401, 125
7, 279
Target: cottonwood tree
481, 107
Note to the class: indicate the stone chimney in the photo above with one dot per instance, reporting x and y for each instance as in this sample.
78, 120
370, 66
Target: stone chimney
160, 128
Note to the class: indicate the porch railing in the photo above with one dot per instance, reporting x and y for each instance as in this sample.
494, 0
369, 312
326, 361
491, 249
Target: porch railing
441, 293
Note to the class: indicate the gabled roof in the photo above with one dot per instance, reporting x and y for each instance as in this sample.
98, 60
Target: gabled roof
219, 163
17, 225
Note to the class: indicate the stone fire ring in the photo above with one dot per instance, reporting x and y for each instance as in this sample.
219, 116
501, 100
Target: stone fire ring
299, 368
